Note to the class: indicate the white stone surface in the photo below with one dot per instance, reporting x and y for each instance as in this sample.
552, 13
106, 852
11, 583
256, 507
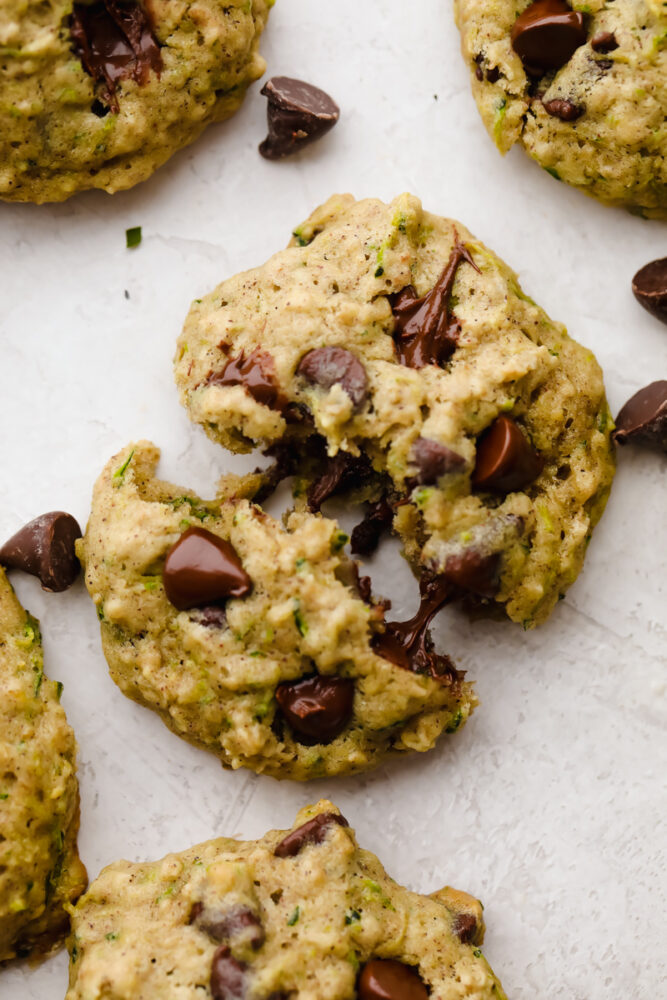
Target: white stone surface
551, 803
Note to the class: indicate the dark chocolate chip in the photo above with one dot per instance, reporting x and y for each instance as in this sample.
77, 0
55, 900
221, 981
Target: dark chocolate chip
341, 471
604, 41
316, 708
565, 110
45, 549
465, 927
505, 460
473, 571
643, 419
649, 287
228, 977
256, 374
201, 568
237, 924
329, 366
210, 616
366, 535
493, 74
387, 979
312, 832
546, 35
297, 114
433, 461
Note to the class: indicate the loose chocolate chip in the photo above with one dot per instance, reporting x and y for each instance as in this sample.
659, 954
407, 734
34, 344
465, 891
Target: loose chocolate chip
387, 979
238, 923
210, 616
505, 460
228, 977
45, 549
546, 35
114, 40
649, 286
201, 568
329, 366
424, 331
474, 572
297, 114
256, 374
465, 927
312, 832
565, 110
342, 471
366, 535
643, 419
433, 461
316, 708
604, 41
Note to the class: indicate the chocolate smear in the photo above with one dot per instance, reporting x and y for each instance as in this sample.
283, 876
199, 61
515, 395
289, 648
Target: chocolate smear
228, 977
366, 535
433, 460
317, 708
312, 832
546, 35
342, 471
604, 41
565, 110
388, 979
297, 113
649, 287
329, 366
45, 549
201, 569
256, 374
505, 461
643, 419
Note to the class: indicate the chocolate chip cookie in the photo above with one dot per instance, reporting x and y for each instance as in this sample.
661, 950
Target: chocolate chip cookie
300, 913
582, 87
40, 870
257, 642
98, 95
397, 346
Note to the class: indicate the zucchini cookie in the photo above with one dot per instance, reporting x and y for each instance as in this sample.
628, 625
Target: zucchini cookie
98, 95
40, 869
303, 913
255, 641
583, 88
393, 341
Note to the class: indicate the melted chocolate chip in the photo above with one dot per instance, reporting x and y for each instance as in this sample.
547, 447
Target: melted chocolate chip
433, 461
473, 571
505, 460
387, 979
493, 74
408, 644
201, 568
256, 374
643, 419
366, 535
210, 616
237, 923
424, 332
45, 549
228, 977
565, 110
114, 40
465, 927
297, 113
329, 366
546, 35
342, 471
316, 708
604, 41
312, 832
649, 287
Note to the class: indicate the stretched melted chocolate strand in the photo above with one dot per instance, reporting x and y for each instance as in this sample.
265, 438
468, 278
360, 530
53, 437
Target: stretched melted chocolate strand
425, 333
408, 644
114, 40
257, 376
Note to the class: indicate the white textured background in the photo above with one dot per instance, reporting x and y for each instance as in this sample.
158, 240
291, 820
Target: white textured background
550, 805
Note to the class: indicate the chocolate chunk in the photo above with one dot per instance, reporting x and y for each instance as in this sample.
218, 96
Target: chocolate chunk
312, 832
114, 40
433, 461
475, 572
342, 471
649, 287
465, 927
45, 549
565, 110
424, 331
643, 419
316, 708
546, 35
604, 41
210, 616
297, 113
387, 979
238, 923
256, 374
505, 460
493, 74
228, 977
201, 568
366, 535
329, 366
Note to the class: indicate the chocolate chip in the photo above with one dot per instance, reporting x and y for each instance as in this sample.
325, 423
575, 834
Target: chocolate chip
424, 331
565, 110
312, 832
433, 461
643, 419
387, 979
329, 366
297, 114
210, 616
341, 471
316, 708
465, 927
473, 571
493, 74
201, 568
228, 977
505, 460
238, 923
366, 535
546, 35
604, 41
649, 287
256, 374
114, 40
45, 549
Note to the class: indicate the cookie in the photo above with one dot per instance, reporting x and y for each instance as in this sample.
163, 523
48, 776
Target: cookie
395, 342
300, 913
583, 88
99, 95
253, 640
40, 869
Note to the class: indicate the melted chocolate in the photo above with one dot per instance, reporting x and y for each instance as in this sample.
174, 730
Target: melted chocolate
366, 535
317, 708
201, 568
329, 366
388, 979
45, 549
466, 928
228, 977
342, 471
604, 41
546, 35
312, 832
474, 571
238, 923
505, 459
433, 460
256, 374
